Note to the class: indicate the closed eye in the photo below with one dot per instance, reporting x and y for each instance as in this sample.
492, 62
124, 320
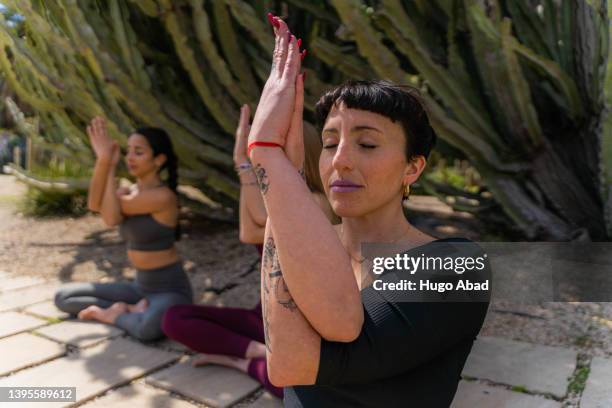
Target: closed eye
330, 146
367, 146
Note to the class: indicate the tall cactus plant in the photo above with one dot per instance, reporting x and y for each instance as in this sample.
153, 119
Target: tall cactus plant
516, 85
142, 62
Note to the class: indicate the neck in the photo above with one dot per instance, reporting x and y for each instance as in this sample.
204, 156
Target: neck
386, 224
148, 181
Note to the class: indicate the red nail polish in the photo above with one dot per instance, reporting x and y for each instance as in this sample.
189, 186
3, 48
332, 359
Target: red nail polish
289, 36
271, 19
299, 42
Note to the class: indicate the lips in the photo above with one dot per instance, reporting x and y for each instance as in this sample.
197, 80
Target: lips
344, 186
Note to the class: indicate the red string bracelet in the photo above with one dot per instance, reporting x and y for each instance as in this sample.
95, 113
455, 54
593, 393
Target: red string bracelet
265, 144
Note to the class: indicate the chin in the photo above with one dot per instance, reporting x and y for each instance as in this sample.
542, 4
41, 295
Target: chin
347, 209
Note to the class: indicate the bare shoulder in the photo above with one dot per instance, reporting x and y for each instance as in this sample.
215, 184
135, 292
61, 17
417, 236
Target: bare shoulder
165, 194
160, 196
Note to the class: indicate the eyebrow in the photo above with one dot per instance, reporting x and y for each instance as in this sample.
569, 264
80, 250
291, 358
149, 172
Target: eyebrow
355, 129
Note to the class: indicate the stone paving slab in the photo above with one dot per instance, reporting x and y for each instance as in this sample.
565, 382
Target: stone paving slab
80, 333
168, 344
12, 281
538, 368
13, 323
471, 394
92, 371
136, 396
47, 310
26, 296
267, 400
598, 390
212, 385
24, 350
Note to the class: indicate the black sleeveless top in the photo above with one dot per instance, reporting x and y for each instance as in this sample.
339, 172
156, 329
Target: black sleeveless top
143, 233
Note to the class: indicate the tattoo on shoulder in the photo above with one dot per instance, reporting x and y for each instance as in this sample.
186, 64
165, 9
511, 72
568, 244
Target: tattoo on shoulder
262, 178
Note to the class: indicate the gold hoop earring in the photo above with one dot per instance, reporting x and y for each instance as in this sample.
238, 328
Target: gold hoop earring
406, 192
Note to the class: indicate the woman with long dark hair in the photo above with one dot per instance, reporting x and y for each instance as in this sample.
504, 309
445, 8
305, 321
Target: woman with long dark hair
147, 213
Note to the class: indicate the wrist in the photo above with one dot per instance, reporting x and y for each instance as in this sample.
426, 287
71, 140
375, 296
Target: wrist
239, 159
261, 145
104, 161
259, 154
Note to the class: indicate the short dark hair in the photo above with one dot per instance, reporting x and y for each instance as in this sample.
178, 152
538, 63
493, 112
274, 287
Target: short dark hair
401, 103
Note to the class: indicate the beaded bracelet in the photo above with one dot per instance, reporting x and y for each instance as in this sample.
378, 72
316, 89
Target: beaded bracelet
243, 167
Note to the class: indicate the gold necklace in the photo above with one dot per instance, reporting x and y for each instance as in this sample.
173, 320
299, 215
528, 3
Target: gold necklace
363, 259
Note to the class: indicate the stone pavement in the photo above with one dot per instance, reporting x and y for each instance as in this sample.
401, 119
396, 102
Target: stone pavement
40, 347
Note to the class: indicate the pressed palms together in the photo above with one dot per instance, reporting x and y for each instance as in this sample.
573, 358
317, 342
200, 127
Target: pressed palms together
107, 150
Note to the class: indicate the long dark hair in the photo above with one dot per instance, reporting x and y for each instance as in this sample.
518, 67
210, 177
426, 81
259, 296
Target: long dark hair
161, 143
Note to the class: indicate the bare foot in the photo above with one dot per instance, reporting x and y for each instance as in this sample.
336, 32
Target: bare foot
139, 307
227, 361
255, 349
103, 315
89, 312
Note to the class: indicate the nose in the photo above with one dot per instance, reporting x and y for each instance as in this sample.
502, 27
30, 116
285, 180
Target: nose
343, 159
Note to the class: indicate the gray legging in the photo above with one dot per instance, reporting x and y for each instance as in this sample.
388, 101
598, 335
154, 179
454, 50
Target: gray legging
162, 287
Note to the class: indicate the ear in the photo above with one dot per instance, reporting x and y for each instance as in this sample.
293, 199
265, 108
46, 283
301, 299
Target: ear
413, 170
160, 159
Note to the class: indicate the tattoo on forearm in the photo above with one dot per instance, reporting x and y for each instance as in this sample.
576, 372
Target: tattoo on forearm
272, 277
262, 178
267, 341
283, 296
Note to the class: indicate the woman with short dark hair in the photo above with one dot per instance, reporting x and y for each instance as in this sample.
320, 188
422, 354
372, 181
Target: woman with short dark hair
332, 340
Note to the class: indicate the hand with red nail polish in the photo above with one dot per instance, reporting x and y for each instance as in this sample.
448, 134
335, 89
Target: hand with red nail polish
294, 145
274, 112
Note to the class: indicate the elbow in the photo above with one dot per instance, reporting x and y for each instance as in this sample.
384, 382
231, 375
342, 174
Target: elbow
344, 328
345, 334
279, 377
93, 206
244, 237
251, 235
281, 373
111, 221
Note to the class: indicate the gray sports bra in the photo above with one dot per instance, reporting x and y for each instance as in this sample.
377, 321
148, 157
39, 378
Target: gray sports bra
143, 233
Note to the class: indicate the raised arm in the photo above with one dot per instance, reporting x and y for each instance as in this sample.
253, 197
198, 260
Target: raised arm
102, 145
320, 279
252, 209
292, 344
111, 208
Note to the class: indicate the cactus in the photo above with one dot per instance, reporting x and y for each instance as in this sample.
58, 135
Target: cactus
517, 86
520, 87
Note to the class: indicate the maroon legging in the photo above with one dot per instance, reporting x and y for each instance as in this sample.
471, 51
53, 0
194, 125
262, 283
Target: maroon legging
220, 330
